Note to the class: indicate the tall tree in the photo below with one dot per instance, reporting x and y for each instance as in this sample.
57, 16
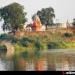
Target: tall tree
46, 16
73, 22
13, 16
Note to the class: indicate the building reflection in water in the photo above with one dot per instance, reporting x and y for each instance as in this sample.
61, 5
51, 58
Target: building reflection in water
49, 62
41, 65
38, 65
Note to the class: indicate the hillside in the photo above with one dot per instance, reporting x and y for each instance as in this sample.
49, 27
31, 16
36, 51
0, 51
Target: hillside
24, 41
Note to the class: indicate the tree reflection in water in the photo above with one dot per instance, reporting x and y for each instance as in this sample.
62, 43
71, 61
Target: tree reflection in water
45, 62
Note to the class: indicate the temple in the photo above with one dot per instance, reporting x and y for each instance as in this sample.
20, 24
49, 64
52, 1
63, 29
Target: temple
36, 26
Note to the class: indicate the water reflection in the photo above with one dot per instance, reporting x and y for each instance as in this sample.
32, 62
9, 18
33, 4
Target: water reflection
45, 62
6, 65
41, 65
2, 65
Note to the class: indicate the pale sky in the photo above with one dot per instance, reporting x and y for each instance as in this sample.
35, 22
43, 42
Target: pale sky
64, 9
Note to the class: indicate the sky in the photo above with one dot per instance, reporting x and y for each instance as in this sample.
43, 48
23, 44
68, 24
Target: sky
64, 9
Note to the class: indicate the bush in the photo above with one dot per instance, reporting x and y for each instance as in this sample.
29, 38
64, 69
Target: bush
8, 38
25, 42
14, 40
51, 45
3, 48
68, 35
38, 44
56, 45
4, 37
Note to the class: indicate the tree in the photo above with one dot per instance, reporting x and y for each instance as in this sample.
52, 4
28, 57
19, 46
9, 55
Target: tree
46, 16
73, 22
13, 16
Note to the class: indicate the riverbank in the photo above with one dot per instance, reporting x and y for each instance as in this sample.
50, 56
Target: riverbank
39, 41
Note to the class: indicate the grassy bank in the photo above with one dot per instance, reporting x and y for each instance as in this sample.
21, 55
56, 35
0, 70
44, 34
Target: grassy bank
40, 41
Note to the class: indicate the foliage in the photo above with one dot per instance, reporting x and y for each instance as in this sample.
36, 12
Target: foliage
73, 22
8, 38
13, 16
14, 40
38, 44
25, 42
3, 48
56, 45
68, 34
41, 41
4, 36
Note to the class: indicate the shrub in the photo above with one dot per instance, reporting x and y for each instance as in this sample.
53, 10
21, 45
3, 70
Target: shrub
38, 44
56, 45
3, 48
14, 40
4, 36
68, 35
51, 45
25, 42
8, 38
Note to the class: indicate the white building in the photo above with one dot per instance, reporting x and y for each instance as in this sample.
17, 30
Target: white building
65, 25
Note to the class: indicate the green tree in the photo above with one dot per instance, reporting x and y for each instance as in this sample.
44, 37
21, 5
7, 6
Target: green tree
46, 16
73, 22
13, 16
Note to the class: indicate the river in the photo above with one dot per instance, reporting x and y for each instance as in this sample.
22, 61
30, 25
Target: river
49, 61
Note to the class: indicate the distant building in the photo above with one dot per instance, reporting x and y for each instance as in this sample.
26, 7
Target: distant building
43, 28
65, 25
36, 26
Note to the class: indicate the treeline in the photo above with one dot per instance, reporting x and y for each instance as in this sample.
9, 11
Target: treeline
14, 17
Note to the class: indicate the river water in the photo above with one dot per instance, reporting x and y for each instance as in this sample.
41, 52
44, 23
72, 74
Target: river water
49, 61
